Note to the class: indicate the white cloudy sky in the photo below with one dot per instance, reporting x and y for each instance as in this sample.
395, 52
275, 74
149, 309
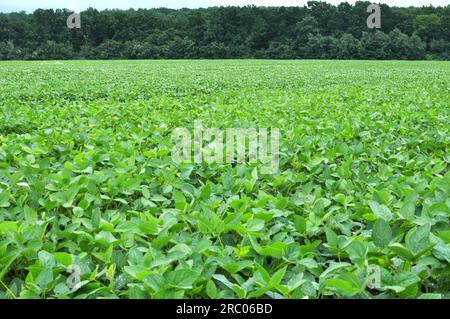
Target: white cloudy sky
17, 5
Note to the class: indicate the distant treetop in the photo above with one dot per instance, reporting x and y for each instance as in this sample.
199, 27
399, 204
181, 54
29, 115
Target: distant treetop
318, 30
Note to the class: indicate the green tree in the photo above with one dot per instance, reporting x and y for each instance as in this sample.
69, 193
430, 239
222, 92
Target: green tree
349, 47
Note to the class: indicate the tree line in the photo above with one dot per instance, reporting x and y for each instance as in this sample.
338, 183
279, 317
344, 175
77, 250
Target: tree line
317, 30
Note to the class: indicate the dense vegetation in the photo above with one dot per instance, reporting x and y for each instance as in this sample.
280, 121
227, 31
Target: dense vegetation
319, 30
87, 181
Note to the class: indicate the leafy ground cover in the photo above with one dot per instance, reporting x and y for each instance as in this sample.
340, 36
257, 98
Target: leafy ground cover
92, 205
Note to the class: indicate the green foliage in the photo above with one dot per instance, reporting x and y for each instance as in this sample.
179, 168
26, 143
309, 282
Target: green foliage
92, 205
317, 30
381, 233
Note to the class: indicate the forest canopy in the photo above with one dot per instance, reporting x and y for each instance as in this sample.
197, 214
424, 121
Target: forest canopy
316, 31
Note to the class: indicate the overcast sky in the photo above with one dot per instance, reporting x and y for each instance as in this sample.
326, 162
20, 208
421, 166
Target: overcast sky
18, 5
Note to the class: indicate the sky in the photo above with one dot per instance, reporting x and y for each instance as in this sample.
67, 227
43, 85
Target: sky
29, 6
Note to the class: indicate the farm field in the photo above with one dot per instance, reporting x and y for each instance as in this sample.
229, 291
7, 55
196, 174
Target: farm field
92, 204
